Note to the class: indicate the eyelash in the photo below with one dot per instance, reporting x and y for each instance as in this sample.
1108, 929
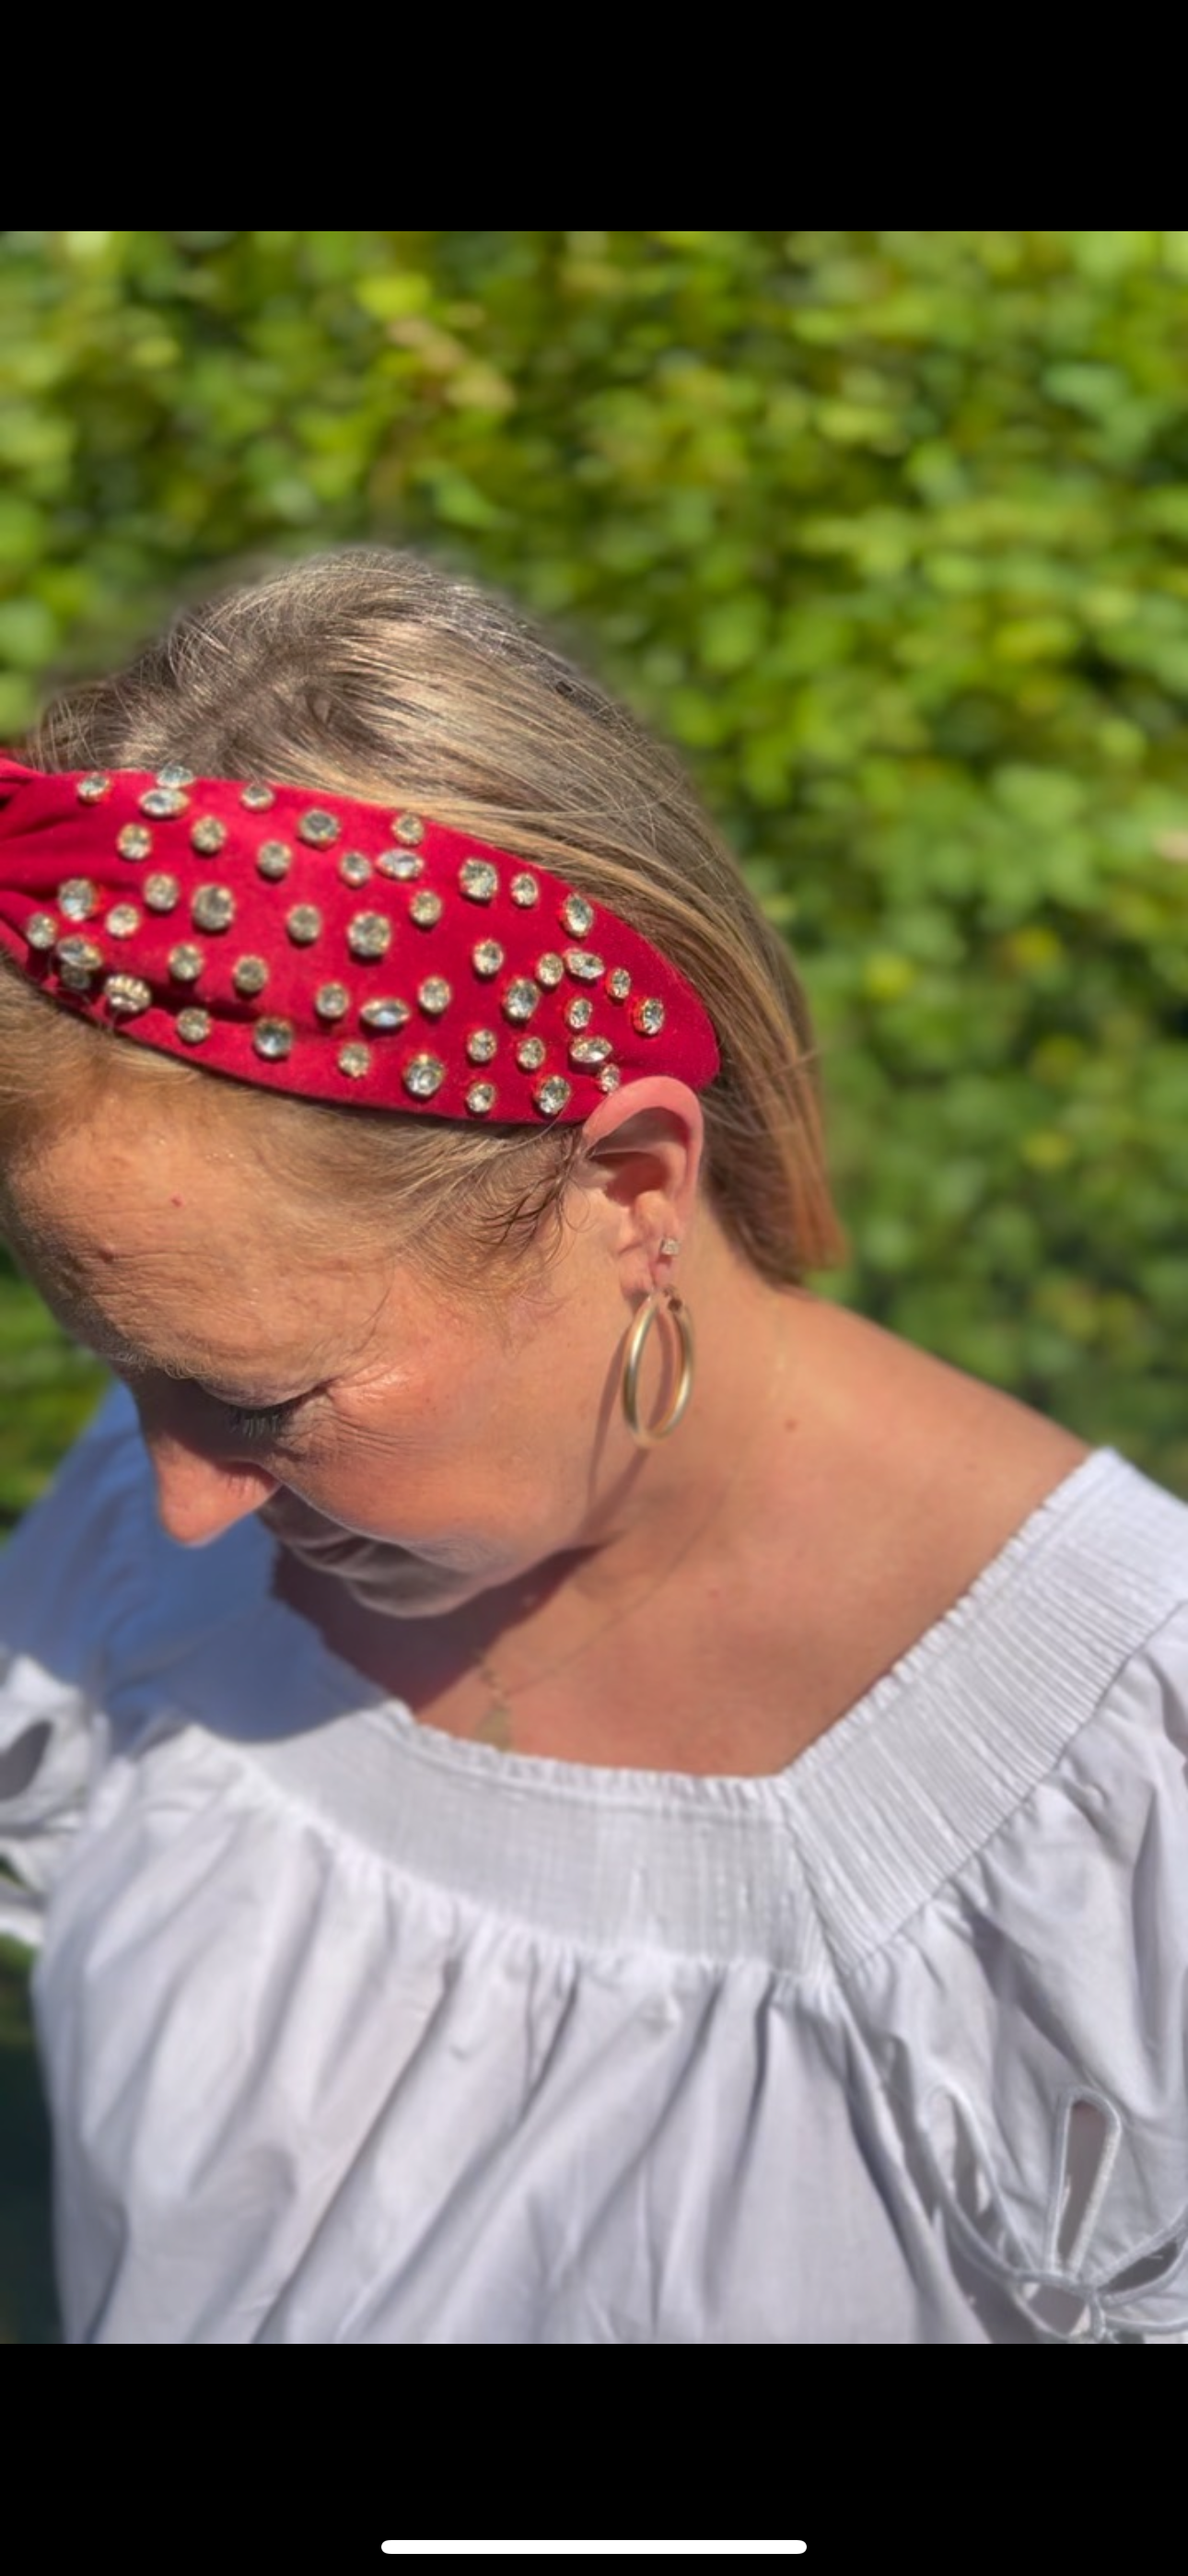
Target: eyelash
266, 1422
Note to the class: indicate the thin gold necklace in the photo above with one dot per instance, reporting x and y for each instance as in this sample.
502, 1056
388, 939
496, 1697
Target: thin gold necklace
495, 1725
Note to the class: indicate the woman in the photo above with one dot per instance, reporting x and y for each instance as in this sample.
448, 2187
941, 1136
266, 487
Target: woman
577, 1791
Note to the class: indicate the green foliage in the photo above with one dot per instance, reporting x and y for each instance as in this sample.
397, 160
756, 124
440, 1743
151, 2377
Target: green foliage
888, 529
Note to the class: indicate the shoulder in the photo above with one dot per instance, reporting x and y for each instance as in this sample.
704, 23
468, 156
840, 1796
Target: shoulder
1010, 1912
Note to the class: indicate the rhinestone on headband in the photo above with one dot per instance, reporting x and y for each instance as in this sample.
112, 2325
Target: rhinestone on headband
208, 835
385, 1012
213, 908
304, 924
128, 993
319, 829
369, 935
423, 1075
273, 1039
296, 992
332, 1001
77, 899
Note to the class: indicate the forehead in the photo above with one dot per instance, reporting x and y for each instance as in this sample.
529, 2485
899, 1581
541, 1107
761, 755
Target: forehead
169, 1233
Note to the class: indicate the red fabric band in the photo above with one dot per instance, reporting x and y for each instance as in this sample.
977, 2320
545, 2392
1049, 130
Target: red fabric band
318, 945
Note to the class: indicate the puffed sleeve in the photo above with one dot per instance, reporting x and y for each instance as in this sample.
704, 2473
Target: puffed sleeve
63, 1575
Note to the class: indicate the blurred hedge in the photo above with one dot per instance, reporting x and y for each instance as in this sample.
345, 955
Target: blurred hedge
887, 529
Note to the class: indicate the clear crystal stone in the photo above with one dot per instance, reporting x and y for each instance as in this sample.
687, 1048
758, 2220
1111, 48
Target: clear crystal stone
186, 963
257, 799
318, 828
122, 920
577, 915
550, 968
385, 1012
41, 930
552, 1094
274, 860
482, 1046
583, 963
208, 835
369, 935
77, 898
434, 995
91, 788
213, 908
423, 1075
354, 868
648, 1017
521, 998
134, 842
193, 1025
162, 802
524, 889
304, 924
531, 1055
332, 1001
81, 955
609, 1078
128, 993
161, 893
76, 979
408, 827
487, 958
590, 1050
480, 1098
478, 879
273, 1039
249, 974
580, 1011
354, 1059
401, 864
425, 909
618, 983
174, 775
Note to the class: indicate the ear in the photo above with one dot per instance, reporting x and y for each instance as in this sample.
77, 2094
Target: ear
643, 1150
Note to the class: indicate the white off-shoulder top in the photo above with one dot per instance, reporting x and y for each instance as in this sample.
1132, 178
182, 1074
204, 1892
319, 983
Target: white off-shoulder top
355, 2033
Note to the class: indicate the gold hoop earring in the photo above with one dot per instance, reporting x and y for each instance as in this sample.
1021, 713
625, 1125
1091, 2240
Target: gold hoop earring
666, 1301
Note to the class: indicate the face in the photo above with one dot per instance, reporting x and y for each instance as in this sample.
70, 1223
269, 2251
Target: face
423, 1452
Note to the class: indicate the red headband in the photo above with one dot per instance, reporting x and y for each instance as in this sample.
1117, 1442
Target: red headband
318, 945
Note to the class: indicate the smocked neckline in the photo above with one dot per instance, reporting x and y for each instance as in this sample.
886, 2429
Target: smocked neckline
354, 1693
804, 1871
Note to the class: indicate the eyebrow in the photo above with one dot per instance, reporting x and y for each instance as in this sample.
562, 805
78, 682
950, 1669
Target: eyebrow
201, 1366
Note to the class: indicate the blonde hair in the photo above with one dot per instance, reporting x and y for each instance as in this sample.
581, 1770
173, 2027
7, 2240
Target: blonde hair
383, 675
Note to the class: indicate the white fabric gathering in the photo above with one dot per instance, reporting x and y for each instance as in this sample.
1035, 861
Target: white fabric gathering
356, 2033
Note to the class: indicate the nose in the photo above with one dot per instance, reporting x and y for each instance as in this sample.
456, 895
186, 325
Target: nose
199, 1497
